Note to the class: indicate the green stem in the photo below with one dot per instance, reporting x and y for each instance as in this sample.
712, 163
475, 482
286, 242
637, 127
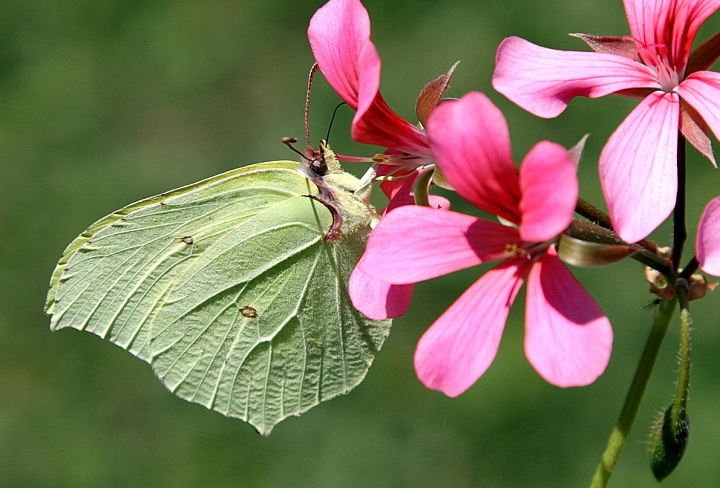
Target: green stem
681, 395
634, 397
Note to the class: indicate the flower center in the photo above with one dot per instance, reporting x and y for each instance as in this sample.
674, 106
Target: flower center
667, 77
515, 251
393, 158
656, 57
528, 250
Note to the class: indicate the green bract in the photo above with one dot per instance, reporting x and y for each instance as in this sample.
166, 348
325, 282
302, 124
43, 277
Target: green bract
233, 288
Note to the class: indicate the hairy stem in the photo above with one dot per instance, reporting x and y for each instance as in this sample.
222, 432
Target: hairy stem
620, 433
593, 214
683, 385
598, 217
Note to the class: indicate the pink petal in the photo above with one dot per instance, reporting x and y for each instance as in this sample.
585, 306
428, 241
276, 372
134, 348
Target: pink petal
550, 189
375, 123
399, 191
339, 36
708, 239
568, 339
701, 90
471, 142
685, 19
376, 299
668, 27
645, 18
638, 167
543, 81
413, 243
438, 202
705, 55
391, 187
700, 11
460, 346
338, 32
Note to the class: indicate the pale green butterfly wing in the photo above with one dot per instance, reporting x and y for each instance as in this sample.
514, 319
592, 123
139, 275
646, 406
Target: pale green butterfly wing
116, 273
230, 286
278, 336
80, 240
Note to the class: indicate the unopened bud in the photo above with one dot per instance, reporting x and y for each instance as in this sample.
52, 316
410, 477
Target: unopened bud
578, 252
668, 442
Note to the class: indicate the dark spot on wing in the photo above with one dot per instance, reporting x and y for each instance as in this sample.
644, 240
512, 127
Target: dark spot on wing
248, 312
187, 240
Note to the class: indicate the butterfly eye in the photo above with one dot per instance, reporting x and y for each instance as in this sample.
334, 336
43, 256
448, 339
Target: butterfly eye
318, 166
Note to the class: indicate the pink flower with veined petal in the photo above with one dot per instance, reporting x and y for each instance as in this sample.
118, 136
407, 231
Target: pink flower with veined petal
568, 339
638, 166
707, 246
339, 35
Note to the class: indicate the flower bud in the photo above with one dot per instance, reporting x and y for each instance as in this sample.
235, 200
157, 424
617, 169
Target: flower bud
667, 443
590, 254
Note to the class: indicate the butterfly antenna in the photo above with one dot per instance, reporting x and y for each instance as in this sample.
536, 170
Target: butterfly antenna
311, 76
289, 141
332, 119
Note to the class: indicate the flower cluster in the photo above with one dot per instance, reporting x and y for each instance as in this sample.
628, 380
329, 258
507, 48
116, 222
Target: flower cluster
339, 36
638, 164
568, 338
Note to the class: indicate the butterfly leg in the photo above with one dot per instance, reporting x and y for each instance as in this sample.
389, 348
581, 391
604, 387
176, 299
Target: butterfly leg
333, 233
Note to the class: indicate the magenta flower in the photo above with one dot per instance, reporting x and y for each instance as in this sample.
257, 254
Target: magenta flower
638, 164
339, 35
568, 339
707, 246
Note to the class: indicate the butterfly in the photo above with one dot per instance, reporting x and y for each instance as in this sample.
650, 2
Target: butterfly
234, 288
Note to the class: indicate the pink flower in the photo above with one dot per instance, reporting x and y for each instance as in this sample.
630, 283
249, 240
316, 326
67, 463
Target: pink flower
339, 35
707, 246
568, 338
638, 167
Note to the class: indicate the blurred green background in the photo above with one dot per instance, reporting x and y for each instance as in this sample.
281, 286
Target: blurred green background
106, 102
